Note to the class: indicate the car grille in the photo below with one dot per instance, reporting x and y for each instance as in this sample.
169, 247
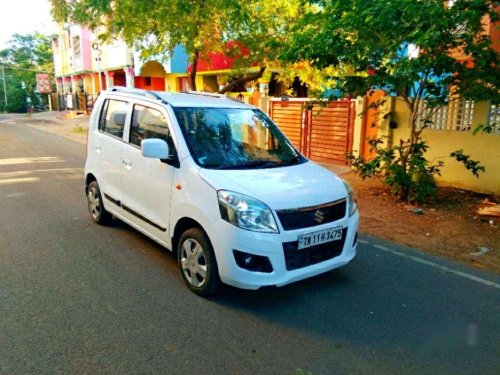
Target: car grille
295, 259
311, 216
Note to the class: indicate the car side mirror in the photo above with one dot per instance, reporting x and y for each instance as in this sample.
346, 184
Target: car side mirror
154, 148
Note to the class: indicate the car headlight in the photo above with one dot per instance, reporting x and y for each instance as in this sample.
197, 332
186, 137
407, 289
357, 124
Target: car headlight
246, 212
351, 199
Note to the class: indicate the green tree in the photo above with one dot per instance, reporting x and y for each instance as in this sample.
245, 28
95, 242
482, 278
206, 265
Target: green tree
25, 56
156, 27
265, 28
363, 42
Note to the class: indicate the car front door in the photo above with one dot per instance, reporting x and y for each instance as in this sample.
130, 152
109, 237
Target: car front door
146, 182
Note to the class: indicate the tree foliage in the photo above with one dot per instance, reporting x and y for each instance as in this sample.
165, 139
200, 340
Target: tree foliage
156, 27
25, 56
362, 37
364, 45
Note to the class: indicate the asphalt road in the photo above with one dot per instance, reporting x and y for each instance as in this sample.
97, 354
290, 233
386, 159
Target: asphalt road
79, 298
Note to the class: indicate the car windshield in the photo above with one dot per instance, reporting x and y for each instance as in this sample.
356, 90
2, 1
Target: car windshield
234, 138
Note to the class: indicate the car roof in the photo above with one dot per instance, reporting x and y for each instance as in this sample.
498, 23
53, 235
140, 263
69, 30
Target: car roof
183, 99
177, 99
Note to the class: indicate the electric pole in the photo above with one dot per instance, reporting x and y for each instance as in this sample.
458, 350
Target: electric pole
95, 47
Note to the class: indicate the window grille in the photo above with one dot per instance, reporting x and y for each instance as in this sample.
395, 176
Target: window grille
494, 117
457, 115
77, 57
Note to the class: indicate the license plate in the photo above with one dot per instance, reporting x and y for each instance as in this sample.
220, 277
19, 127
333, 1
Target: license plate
319, 237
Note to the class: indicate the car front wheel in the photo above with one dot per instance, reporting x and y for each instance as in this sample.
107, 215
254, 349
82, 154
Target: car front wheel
197, 262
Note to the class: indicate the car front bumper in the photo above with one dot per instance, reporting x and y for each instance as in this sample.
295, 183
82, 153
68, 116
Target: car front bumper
226, 237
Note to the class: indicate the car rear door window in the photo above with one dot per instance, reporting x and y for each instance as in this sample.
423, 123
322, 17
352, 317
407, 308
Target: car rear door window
149, 123
113, 117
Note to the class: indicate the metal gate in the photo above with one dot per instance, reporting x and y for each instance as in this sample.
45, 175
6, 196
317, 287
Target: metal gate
322, 132
72, 102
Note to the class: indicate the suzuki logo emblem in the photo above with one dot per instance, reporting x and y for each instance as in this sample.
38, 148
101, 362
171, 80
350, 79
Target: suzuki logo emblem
319, 216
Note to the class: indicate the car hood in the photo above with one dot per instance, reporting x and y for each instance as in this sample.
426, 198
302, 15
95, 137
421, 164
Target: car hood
295, 186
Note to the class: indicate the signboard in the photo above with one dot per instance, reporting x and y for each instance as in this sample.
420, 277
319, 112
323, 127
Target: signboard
43, 83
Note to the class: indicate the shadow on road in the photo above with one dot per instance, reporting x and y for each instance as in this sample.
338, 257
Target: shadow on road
394, 314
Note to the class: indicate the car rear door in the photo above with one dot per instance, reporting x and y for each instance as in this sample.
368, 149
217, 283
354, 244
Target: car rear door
109, 144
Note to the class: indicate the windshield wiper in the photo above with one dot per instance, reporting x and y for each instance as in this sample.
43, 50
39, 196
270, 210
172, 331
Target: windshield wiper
250, 164
293, 160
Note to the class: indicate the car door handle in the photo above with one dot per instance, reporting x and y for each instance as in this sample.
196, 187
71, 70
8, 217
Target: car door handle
98, 148
127, 163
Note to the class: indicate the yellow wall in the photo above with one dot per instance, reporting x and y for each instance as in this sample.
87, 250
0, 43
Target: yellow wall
203, 83
152, 69
64, 51
171, 83
199, 82
87, 82
482, 147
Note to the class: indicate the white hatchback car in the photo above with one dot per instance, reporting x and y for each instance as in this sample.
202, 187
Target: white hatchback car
216, 181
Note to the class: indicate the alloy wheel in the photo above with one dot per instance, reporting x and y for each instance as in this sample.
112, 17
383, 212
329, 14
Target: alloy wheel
94, 203
193, 263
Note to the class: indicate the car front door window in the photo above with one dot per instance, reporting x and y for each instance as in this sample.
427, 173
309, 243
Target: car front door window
149, 123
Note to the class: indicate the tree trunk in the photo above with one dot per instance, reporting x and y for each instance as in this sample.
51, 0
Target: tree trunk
403, 194
194, 68
244, 79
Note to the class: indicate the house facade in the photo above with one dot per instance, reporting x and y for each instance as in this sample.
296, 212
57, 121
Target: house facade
452, 129
83, 64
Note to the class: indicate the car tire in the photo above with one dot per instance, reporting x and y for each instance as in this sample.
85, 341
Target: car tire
96, 205
197, 263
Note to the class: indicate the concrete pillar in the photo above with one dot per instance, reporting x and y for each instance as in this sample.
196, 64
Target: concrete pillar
94, 91
59, 85
67, 84
357, 142
129, 77
264, 88
264, 83
76, 84
109, 79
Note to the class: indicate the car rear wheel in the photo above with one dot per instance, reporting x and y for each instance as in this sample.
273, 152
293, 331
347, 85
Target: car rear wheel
96, 206
197, 262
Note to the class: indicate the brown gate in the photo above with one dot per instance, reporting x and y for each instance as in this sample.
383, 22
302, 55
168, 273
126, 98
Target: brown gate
289, 115
323, 133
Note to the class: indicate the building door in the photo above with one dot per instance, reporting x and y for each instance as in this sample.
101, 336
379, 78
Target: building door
150, 83
119, 80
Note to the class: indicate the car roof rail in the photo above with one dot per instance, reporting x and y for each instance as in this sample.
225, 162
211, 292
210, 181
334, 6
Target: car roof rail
211, 94
141, 92
204, 93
